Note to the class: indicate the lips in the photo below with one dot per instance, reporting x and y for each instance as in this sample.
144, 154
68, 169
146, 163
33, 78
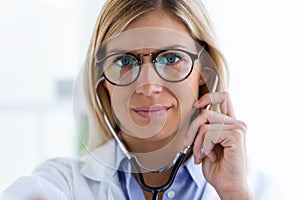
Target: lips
152, 111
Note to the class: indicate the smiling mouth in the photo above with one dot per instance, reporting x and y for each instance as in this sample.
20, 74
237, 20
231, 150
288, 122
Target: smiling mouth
152, 111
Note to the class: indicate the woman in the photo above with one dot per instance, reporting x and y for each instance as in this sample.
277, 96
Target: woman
146, 72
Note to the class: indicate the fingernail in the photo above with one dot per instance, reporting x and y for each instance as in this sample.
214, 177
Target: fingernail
202, 154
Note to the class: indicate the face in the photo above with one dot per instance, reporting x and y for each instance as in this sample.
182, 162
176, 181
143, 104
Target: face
150, 108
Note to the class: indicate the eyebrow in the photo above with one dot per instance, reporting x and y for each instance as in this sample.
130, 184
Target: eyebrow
117, 50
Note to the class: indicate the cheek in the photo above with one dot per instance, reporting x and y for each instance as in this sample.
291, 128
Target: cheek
119, 98
118, 95
194, 81
188, 90
109, 87
119, 101
186, 93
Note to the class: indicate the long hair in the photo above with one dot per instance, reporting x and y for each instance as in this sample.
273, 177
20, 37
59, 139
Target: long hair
113, 19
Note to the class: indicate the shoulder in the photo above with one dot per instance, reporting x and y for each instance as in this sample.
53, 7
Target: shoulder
66, 178
94, 175
58, 167
96, 166
59, 171
50, 180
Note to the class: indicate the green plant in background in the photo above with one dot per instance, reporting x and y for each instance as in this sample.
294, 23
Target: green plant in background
82, 135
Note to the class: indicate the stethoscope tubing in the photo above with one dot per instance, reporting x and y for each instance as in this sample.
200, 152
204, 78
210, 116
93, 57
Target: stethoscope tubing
133, 161
156, 190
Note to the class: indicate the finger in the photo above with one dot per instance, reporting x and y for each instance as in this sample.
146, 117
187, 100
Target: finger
212, 156
206, 116
198, 144
211, 134
221, 98
211, 138
230, 136
198, 149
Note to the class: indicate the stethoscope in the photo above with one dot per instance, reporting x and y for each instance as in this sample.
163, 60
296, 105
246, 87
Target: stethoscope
176, 163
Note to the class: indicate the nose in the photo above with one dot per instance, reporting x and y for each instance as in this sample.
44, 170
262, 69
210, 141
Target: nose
149, 89
149, 81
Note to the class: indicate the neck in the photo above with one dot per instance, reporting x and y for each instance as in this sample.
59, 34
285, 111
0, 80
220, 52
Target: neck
158, 179
156, 154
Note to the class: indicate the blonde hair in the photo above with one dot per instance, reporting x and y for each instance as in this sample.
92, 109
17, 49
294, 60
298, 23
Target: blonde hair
113, 19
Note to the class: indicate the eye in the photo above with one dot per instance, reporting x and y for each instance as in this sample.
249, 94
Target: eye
125, 61
169, 58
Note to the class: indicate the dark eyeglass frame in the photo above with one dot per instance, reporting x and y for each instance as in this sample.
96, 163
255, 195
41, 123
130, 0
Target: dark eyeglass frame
154, 57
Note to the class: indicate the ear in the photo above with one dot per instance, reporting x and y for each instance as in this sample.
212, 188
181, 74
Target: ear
202, 87
201, 81
208, 79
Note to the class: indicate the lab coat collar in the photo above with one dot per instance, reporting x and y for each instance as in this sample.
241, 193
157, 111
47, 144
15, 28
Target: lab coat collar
103, 163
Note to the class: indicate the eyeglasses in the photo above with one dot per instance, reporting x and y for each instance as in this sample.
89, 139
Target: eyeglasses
172, 65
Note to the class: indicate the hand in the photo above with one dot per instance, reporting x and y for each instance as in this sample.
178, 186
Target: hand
222, 140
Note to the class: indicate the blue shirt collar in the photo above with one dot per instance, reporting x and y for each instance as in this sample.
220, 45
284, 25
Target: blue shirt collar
195, 171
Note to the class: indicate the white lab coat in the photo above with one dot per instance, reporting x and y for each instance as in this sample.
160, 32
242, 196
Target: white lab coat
92, 177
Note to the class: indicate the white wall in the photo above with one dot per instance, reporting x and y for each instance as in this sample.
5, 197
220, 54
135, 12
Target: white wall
44, 41
260, 40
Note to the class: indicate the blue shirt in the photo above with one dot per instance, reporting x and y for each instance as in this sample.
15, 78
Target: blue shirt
189, 183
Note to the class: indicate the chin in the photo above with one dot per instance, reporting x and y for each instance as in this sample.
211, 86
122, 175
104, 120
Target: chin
163, 136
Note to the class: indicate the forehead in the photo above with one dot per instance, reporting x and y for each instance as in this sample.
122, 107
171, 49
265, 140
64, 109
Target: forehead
150, 38
159, 18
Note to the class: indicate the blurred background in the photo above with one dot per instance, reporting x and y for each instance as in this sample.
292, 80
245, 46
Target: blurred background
43, 45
